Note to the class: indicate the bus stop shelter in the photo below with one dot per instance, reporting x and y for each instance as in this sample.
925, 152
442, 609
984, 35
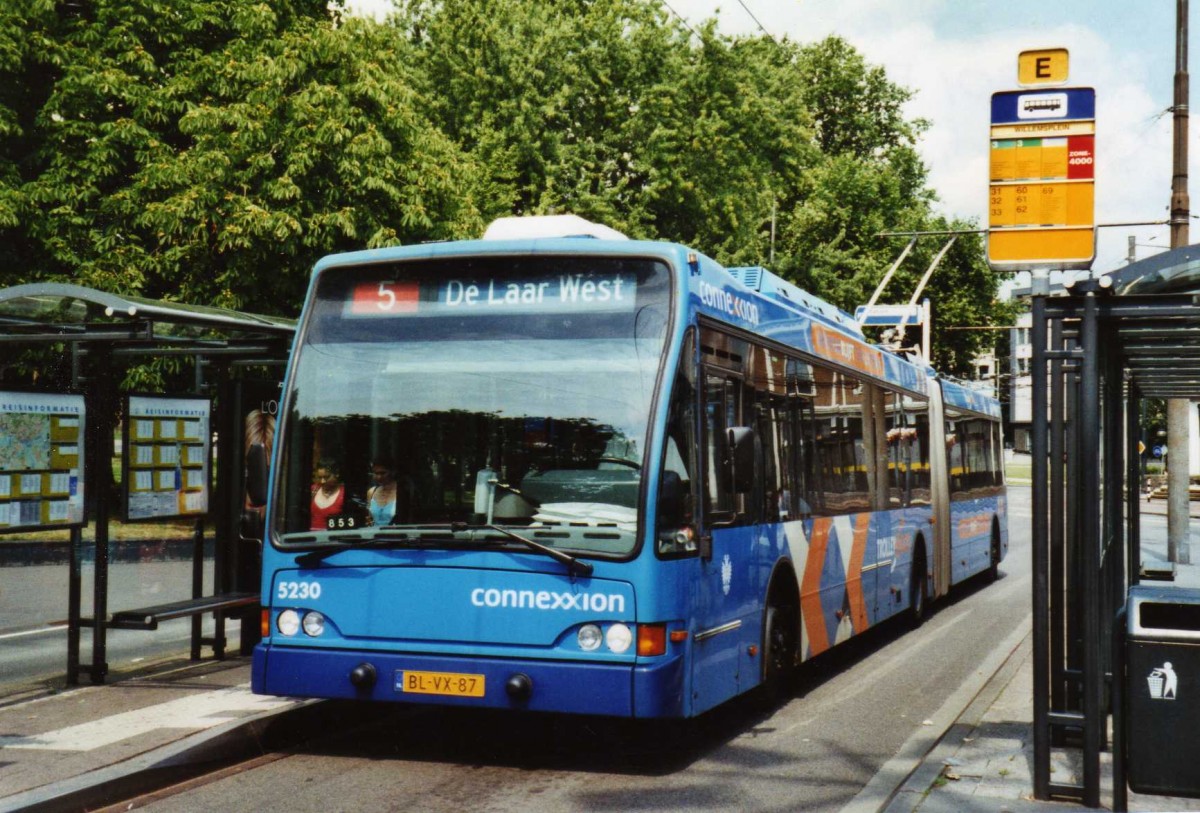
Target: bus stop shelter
1098, 351
237, 359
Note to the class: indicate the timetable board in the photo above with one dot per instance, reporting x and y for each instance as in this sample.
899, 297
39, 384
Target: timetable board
41, 461
1041, 206
165, 457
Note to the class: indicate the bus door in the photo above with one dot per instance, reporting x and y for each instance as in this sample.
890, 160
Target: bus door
943, 560
722, 589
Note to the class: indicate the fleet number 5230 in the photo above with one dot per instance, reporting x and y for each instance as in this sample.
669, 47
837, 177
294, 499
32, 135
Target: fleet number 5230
299, 590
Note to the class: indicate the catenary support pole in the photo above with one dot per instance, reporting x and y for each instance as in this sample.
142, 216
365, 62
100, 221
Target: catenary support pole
1178, 464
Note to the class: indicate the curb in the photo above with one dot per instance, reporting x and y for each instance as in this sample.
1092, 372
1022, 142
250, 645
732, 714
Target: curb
900, 784
912, 794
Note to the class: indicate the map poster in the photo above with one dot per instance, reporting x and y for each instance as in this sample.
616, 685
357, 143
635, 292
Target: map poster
165, 457
41, 461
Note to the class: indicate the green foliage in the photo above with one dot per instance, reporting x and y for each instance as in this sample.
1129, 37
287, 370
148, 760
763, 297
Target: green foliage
210, 151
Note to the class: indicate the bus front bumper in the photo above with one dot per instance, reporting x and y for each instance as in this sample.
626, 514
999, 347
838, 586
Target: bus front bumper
617, 690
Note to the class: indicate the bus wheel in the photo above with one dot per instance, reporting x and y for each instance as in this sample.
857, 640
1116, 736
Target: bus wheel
994, 567
918, 590
779, 645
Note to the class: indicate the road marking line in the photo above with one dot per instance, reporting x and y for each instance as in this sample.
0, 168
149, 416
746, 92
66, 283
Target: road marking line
198, 711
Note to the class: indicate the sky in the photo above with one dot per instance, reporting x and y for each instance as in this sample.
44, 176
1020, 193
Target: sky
954, 54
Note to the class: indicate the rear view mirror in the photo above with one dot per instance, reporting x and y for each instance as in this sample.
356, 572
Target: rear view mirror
741, 457
670, 501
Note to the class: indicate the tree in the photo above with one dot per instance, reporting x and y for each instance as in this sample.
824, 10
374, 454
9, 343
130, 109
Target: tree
210, 151
871, 182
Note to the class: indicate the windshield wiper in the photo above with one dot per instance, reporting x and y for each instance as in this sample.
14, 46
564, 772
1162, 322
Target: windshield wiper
384, 536
573, 565
432, 537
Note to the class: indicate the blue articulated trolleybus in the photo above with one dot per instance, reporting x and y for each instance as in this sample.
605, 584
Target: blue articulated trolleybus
600, 476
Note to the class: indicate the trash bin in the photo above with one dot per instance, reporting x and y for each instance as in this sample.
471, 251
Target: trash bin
1162, 691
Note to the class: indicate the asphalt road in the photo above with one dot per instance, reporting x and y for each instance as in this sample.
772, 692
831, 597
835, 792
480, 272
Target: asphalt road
848, 717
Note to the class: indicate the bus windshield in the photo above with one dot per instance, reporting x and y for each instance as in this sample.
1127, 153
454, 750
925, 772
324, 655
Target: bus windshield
510, 391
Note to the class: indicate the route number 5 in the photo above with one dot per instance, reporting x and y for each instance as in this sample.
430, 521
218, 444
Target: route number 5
387, 297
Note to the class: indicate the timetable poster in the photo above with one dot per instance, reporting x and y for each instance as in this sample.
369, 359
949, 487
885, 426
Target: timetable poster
165, 454
41, 461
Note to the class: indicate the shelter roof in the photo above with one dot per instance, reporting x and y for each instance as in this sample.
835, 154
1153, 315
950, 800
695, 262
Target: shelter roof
1150, 312
56, 312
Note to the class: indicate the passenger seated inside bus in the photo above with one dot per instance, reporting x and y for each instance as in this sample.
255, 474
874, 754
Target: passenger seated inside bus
382, 497
328, 495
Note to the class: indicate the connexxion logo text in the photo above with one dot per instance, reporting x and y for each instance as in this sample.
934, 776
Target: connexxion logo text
547, 600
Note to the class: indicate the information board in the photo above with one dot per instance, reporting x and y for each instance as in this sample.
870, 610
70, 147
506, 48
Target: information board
1041, 207
41, 461
165, 457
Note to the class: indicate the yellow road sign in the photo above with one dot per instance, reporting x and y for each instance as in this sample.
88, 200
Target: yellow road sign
1047, 66
1050, 248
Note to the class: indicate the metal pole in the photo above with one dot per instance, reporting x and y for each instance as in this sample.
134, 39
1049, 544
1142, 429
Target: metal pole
1133, 558
1180, 205
927, 332
1090, 531
1178, 465
1178, 468
937, 260
1057, 576
198, 588
1120, 792
1041, 554
100, 417
887, 278
74, 605
1073, 495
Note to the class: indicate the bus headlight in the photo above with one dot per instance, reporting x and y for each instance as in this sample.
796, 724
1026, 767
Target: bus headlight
314, 623
589, 637
618, 638
288, 622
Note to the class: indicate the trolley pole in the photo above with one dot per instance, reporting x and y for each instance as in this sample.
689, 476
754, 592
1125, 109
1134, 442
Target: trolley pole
1178, 464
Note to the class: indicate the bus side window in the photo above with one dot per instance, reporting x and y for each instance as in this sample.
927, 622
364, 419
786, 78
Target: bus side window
720, 413
839, 437
917, 418
677, 507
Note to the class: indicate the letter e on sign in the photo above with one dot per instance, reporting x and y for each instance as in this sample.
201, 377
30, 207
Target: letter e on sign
1047, 66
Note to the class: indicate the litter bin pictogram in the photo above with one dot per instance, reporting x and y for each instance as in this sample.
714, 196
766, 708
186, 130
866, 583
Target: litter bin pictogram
1156, 684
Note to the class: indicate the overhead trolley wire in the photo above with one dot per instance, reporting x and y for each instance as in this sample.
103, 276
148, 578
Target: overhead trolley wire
756, 22
681, 19
741, 3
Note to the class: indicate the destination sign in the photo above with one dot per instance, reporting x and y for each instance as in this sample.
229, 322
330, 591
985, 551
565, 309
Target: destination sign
561, 293
844, 350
